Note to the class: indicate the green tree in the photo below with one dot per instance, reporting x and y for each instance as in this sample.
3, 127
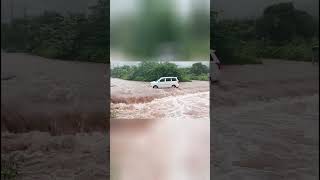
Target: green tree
282, 22
71, 37
199, 68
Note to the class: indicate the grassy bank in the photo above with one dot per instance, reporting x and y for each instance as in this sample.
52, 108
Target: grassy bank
150, 71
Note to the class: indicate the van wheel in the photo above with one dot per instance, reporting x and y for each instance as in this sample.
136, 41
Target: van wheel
174, 86
155, 86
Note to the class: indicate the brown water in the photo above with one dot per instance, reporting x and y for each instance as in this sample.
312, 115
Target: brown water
266, 121
165, 149
187, 106
137, 100
164, 134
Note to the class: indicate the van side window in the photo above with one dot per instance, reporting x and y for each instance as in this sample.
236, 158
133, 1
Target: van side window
174, 79
162, 80
168, 79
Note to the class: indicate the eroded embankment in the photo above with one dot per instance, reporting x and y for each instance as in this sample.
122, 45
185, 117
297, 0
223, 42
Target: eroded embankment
133, 100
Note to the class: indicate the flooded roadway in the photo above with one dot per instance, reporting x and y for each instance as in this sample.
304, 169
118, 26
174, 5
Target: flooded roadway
265, 124
160, 133
195, 105
136, 100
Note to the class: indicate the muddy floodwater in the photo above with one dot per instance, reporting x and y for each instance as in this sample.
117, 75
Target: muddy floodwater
265, 121
137, 100
53, 117
160, 133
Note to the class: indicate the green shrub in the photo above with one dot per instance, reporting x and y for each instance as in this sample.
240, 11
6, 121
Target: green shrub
9, 169
200, 77
151, 71
296, 50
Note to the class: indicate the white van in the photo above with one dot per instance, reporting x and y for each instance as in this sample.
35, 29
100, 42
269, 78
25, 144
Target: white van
165, 82
215, 66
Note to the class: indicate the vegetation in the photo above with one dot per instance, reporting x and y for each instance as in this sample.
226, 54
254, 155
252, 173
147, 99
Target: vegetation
282, 32
85, 37
287, 33
9, 169
151, 71
73, 36
231, 40
297, 49
282, 23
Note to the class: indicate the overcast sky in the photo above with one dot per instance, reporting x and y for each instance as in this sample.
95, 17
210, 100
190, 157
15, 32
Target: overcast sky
127, 7
34, 7
230, 8
254, 8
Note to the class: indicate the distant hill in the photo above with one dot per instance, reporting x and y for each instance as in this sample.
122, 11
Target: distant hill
253, 8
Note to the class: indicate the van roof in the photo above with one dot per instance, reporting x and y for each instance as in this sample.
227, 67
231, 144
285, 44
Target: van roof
168, 77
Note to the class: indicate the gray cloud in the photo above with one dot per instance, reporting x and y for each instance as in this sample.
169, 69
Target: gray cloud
254, 8
34, 7
230, 8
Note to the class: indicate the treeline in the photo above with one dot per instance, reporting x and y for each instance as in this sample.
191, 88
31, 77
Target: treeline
230, 40
86, 37
151, 71
73, 37
281, 32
